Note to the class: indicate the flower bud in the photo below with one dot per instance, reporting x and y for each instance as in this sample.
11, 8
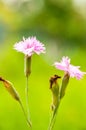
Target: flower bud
27, 65
64, 84
10, 88
55, 90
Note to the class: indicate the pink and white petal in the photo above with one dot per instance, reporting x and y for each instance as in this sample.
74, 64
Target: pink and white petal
65, 60
40, 50
29, 46
60, 66
76, 72
29, 51
18, 46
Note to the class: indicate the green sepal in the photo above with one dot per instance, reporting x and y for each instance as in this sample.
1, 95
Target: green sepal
27, 65
64, 84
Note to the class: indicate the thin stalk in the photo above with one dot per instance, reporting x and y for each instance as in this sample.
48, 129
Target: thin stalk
53, 118
27, 101
52, 122
28, 121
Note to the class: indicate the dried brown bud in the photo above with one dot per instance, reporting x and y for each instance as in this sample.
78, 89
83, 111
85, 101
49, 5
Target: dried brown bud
53, 80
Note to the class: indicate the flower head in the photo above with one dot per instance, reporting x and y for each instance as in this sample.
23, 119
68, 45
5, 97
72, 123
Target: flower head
72, 70
29, 46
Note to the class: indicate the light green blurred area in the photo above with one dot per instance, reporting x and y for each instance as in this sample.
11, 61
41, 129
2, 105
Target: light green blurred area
63, 31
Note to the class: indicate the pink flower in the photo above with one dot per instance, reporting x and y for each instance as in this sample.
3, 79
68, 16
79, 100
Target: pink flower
73, 71
29, 46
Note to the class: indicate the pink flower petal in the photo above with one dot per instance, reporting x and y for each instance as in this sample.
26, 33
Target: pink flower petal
60, 66
29, 46
74, 71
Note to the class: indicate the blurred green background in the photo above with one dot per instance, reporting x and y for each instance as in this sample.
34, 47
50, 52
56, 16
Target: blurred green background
61, 26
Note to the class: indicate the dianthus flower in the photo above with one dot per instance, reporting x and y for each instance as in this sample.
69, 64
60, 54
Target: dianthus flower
73, 71
29, 46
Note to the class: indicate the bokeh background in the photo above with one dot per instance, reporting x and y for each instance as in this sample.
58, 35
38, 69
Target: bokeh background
61, 26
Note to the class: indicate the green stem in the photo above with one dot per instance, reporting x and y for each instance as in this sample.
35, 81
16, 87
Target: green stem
28, 121
27, 101
52, 122
53, 118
